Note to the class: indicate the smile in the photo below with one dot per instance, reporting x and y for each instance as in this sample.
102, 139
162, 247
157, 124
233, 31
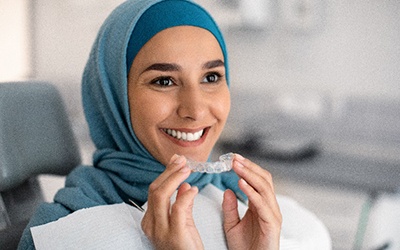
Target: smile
184, 136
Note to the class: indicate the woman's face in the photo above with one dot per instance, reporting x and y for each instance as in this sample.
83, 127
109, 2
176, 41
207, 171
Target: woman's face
178, 96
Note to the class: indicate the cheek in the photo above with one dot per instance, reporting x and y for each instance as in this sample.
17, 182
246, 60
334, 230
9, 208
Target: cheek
146, 112
221, 107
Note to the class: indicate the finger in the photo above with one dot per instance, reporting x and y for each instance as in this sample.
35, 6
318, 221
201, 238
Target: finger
259, 178
176, 163
267, 209
169, 185
259, 191
230, 210
259, 171
182, 209
156, 219
161, 190
160, 194
252, 194
183, 188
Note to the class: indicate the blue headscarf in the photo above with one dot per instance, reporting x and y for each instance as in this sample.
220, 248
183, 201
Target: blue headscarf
119, 152
123, 168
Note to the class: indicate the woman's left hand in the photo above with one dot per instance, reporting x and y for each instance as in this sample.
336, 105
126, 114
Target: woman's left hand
261, 225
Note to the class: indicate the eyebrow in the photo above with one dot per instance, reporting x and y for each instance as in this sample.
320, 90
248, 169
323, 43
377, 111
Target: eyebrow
165, 67
213, 64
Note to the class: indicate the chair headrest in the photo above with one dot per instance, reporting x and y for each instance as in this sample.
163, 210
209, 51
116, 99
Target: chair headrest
35, 134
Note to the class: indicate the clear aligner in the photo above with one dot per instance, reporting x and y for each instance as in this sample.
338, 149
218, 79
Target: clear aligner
224, 164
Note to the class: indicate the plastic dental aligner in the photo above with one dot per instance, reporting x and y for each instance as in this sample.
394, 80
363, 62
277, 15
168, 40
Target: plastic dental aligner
224, 164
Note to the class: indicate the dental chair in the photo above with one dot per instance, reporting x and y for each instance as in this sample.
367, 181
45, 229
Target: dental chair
35, 138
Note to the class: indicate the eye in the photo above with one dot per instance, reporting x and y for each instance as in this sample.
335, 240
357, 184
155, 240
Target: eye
163, 81
212, 77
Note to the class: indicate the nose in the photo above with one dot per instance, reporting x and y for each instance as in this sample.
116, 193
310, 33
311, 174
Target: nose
192, 103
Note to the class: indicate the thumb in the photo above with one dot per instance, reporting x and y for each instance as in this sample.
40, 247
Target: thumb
230, 210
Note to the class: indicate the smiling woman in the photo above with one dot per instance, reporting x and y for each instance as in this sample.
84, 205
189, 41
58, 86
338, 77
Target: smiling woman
186, 97
155, 93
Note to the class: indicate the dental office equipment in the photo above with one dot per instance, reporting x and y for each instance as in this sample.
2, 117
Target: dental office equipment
137, 206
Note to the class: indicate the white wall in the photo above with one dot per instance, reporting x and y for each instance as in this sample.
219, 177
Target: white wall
355, 48
64, 33
15, 56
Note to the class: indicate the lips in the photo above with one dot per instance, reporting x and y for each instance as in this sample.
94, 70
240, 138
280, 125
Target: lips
184, 136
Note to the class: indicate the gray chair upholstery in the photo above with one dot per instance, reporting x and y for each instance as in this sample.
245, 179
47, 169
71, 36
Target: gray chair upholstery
35, 138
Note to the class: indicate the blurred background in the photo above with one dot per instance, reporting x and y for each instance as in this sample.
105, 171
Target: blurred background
315, 87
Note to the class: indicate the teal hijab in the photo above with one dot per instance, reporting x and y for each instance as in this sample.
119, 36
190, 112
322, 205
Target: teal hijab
120, 154
122, 167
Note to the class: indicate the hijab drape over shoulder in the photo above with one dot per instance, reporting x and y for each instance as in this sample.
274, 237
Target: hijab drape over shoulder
123, 168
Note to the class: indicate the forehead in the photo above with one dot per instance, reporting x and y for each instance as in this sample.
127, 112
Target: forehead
182, 41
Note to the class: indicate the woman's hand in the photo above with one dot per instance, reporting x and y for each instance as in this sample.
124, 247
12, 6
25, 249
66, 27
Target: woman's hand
172, 226
261, 225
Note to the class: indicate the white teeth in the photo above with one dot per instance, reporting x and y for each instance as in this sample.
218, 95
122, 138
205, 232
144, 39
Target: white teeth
184, 136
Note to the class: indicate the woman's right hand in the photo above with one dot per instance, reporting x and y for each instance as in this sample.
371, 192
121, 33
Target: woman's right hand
172, 226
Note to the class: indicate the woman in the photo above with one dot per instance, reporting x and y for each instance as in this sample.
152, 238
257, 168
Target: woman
155, 92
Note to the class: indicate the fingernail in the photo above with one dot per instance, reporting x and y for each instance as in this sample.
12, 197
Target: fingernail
179, 159
184, 169
239, 157
244, 182
173, 158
